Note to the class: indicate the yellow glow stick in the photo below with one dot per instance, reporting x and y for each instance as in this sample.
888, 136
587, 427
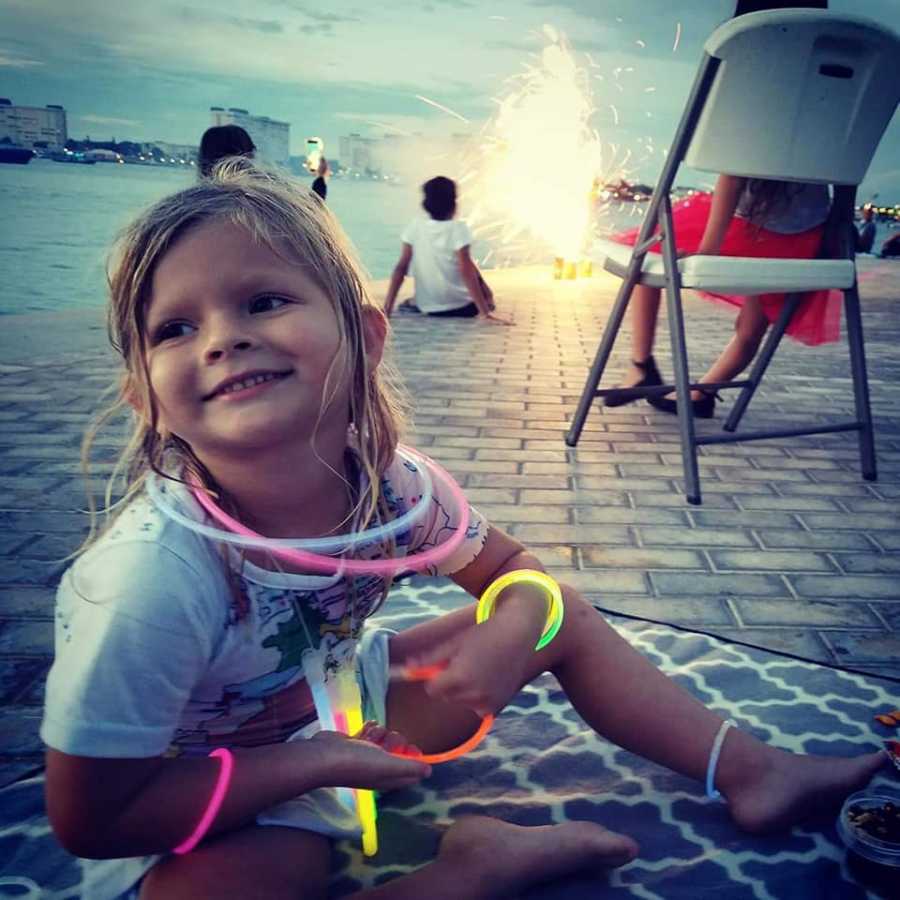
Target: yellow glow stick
365, 800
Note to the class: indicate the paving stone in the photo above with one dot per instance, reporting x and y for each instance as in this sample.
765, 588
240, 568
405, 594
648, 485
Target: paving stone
852, 647
672, 498
847, 587
26, 637
753, 501
601, 515
694, 537
696, 583
889, 612
642, 558
19, 731
765, 560
17, 675
27, 602
716, 518
687, 611
887, 540
596, 583
530, 534
822, 614
853, 521
12, 770
869, 563
795, 539
514, 515
29, 571
798, 642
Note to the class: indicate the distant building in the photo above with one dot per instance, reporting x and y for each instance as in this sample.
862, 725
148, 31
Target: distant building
33, 126
272, 138
358, 153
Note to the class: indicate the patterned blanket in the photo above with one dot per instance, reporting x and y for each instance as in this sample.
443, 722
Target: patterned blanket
541, 764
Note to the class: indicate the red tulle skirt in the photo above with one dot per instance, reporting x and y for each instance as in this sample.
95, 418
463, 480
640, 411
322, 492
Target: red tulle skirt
817, 319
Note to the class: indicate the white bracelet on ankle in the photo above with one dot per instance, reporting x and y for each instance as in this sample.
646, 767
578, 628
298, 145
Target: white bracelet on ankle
711, 791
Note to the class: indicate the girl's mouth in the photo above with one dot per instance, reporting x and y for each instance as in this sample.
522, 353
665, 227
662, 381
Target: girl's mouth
248, 386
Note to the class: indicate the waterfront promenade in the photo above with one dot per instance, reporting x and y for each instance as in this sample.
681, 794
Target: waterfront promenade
790, 550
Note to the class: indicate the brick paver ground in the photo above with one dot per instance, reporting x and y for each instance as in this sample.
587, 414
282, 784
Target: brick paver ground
790, 549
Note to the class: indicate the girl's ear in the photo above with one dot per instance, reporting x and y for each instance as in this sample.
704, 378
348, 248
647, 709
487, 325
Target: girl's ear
130, 394
375, 327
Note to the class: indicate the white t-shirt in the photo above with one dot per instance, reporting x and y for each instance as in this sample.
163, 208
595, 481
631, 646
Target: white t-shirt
435, 263
154, 656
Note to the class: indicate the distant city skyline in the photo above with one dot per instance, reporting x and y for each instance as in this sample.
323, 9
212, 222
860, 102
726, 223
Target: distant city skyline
152, 71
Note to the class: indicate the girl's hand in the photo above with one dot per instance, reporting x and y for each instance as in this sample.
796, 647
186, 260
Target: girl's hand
492, 319
367, 760
485, 666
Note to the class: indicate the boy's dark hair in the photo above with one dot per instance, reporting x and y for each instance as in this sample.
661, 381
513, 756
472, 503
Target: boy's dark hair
221, 141
440, 198
751, 6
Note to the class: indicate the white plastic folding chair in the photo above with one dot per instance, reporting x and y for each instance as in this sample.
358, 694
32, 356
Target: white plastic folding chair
794, 95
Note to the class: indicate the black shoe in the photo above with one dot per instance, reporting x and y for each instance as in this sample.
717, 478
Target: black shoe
704, 408
651, 379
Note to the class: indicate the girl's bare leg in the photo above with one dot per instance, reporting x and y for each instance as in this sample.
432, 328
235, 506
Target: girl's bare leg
616, 689
749, 330
263, 863
644, 306
478, 858
484, 859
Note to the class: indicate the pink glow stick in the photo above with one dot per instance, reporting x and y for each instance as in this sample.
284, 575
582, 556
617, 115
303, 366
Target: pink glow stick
215, 801
330, 566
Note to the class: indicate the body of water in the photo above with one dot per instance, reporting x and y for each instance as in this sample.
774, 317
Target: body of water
58, 222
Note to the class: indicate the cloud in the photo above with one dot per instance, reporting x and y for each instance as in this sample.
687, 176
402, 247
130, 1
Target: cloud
11, 61
94, 119
203, 17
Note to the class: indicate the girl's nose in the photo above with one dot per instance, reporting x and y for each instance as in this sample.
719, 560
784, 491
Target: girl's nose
217, 348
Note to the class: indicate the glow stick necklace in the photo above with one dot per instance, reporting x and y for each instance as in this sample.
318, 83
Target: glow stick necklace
336, 543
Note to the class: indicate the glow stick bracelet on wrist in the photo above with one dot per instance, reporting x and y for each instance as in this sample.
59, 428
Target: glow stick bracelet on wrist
315, 562
542, 580
215, 801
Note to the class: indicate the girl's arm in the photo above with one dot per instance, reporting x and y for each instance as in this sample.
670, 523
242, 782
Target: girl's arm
112, 808
397, 277
725, 199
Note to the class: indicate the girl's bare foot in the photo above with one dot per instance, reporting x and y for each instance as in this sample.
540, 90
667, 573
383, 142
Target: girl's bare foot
507, 858
778, 790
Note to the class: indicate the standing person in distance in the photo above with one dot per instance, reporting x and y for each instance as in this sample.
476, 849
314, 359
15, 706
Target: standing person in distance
220, 142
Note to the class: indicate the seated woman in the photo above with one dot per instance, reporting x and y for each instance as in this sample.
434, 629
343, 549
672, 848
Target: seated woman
448, 283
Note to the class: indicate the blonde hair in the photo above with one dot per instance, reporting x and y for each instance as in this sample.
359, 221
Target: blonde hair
296, 226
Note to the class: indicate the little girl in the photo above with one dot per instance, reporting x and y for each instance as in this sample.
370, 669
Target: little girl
742, 217
253, 367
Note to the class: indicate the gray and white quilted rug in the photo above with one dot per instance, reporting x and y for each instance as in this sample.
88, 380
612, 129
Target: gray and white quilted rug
541, 764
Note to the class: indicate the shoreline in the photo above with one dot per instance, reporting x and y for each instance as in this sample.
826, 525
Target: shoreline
66, 335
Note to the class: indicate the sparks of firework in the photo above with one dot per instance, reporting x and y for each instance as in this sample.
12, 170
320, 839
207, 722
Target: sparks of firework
677, 36
441, 107
540, 162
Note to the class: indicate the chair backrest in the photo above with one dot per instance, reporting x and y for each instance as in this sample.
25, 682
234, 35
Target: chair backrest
798, 95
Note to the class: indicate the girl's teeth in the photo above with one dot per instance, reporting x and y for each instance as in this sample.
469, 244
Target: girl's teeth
246, 383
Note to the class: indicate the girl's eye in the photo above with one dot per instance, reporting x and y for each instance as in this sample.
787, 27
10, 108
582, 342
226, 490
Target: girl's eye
171, 330
266, 303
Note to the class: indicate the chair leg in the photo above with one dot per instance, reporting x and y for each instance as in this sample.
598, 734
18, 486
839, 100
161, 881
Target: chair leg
860, 384
761, 363
610, 332
679, 360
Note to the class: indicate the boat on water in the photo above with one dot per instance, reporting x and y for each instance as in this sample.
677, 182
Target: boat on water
19, 156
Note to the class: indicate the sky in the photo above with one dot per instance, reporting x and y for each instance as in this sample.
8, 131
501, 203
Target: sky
150, 70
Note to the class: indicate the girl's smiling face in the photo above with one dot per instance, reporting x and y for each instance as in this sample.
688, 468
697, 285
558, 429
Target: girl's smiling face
239, 345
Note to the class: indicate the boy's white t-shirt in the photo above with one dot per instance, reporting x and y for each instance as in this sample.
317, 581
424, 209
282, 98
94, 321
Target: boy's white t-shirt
165, 644
435, 264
